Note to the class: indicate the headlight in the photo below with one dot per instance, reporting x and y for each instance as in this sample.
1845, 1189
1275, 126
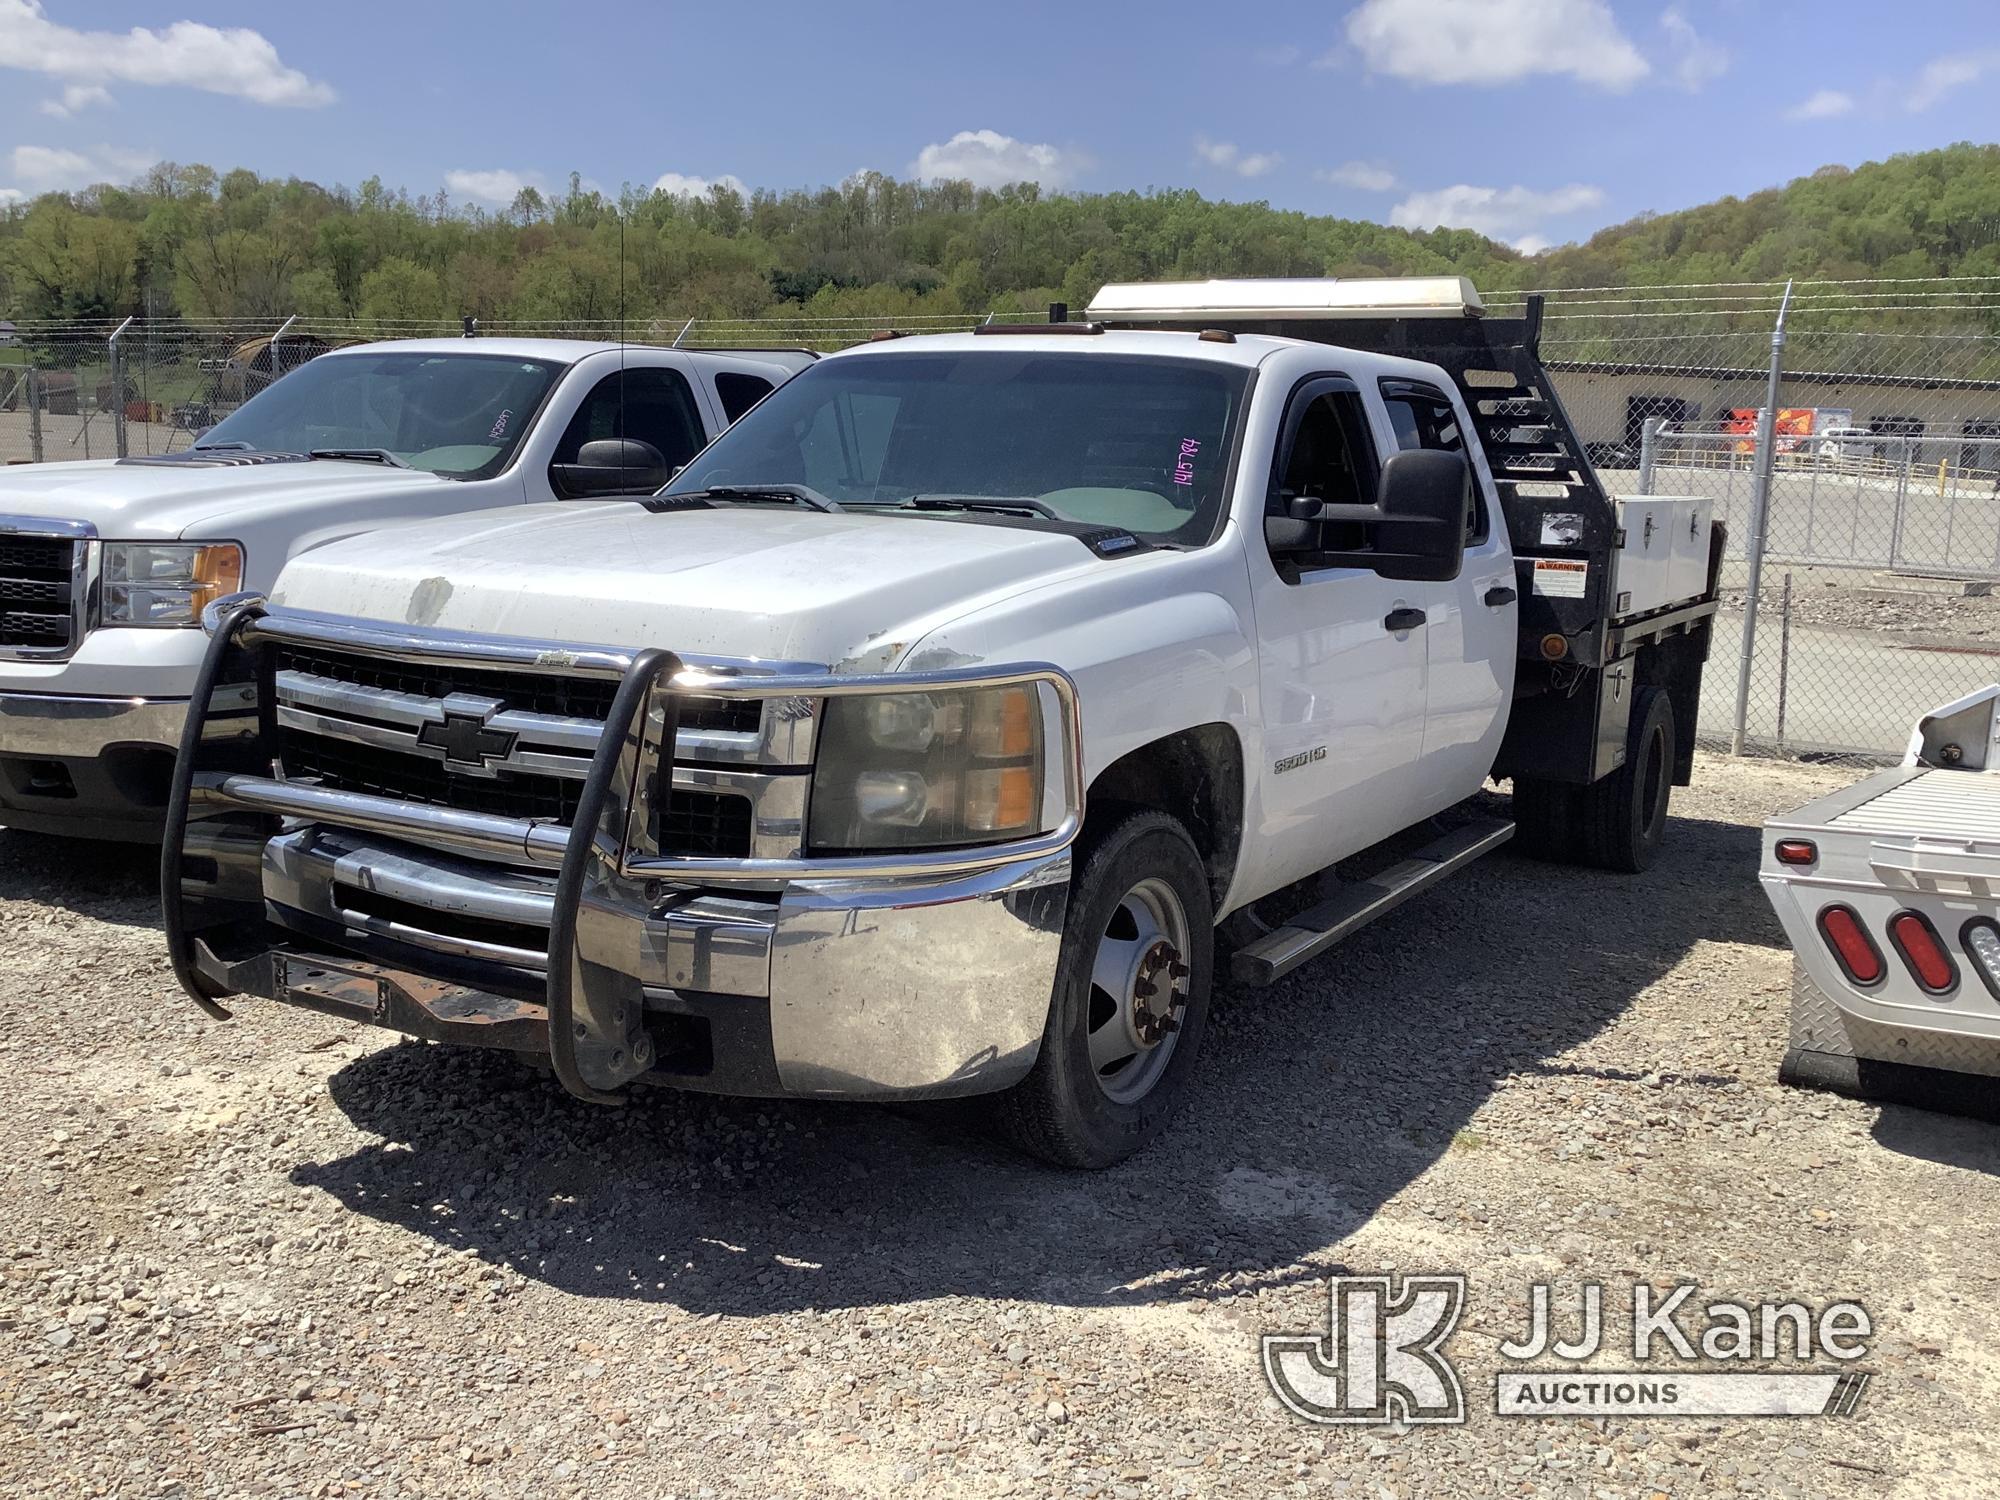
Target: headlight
152, 583
932, 770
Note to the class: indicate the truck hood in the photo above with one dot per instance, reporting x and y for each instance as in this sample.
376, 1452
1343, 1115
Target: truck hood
142, 502
852, 591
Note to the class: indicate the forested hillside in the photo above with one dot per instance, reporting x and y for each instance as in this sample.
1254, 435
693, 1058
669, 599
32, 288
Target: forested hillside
187, 241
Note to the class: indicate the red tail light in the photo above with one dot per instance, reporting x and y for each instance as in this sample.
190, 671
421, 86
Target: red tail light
1917, 941
1850, 943
1796, 851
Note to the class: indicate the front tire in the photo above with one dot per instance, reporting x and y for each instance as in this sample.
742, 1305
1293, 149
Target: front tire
1130, 1001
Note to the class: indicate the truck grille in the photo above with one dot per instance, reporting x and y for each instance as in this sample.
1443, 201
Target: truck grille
536, 692
352, 722
37, 593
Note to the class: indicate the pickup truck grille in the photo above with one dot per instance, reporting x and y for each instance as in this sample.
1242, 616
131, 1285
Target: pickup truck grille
38, 600
532, 692
513, 743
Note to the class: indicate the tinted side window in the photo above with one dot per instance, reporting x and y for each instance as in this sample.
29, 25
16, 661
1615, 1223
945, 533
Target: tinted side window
1423, 418
654, 406
1327, 457
738, 393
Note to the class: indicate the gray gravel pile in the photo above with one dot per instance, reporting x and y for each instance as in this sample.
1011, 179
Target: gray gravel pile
286, 1256
1850, 602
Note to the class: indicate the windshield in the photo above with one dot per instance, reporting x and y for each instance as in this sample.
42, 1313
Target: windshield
1134, 442
459, 415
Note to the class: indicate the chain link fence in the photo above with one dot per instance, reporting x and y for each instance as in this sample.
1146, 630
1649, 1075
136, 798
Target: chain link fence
1879, 482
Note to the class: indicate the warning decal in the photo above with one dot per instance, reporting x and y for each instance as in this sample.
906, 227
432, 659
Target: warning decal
1560, 577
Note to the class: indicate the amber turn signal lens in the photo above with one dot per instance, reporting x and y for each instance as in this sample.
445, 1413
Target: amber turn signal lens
1554, 647
1000, 800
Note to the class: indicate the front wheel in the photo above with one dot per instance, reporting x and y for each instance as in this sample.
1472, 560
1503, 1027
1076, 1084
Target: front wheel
1130, 1000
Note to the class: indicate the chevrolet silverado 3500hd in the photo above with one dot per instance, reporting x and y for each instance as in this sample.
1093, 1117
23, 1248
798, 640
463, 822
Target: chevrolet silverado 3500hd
914, 740
106, 566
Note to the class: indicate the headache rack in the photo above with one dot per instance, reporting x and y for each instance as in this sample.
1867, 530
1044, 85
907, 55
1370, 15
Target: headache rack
1553, 502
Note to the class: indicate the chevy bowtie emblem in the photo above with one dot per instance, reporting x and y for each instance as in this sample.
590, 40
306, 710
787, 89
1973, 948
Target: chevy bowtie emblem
466, 741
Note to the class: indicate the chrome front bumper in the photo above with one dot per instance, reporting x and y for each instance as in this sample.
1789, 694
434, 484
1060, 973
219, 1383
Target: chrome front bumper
867, 989
902, 975
63, 726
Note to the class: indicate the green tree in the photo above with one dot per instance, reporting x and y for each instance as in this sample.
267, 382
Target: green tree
400, 291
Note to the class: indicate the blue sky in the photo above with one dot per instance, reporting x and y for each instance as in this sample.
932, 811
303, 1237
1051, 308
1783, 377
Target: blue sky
1536, 121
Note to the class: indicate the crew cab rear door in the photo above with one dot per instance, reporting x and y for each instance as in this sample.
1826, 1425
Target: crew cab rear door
1469, 638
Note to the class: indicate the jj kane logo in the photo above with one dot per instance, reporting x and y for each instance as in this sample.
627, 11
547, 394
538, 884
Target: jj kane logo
1382, 1356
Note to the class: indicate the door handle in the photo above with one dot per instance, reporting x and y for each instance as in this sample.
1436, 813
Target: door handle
1500, 596
1403, 619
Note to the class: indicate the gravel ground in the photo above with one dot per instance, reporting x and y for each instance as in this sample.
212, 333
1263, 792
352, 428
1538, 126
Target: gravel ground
1829, 600
286, 1256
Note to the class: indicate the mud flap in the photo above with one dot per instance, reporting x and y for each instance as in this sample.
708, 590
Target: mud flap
596, 1005
211, 882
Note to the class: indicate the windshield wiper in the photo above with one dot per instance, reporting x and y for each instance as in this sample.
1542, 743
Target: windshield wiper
359, 455
999, 505
798, 494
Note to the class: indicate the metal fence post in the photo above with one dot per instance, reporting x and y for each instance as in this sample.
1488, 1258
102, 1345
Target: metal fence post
1649, 453
35, 413
118, 388
1902, 501
1760, 504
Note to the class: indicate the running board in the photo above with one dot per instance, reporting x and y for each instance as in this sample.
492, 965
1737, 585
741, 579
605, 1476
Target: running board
1312, 932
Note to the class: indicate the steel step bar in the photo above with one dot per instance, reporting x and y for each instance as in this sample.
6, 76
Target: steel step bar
1314, 931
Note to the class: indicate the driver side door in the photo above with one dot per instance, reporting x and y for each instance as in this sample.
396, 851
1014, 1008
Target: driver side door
1341, 650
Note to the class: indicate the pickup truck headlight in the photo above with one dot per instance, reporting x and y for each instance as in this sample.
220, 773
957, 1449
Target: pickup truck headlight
166, 583
931, 770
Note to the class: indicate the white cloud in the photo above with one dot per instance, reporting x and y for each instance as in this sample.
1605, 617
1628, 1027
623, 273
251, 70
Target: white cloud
1225, 155
1827, 104
77, 96
681, 185
1697, 62
45, 169
1366, 176
988, 159
235, 61
1495, 41
1514, 214
10, 196
1947, 75
498, 186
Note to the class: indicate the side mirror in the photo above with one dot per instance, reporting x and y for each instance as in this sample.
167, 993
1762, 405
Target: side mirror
612, 466
1424, 497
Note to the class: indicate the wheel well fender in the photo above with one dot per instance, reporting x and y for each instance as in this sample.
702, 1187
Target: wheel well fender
1196, 775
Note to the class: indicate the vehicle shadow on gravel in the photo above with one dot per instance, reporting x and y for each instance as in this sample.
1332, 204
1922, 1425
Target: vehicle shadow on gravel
113, 882
1317, 1101
1947, 1140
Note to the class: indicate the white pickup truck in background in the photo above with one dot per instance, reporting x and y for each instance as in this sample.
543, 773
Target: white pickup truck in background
917, 739
105, 566
1890, 893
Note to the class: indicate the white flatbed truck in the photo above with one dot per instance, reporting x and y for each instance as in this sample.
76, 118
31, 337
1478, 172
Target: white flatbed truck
917, 738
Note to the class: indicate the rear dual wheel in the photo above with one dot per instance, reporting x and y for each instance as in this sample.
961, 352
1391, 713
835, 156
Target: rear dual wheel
1618, 822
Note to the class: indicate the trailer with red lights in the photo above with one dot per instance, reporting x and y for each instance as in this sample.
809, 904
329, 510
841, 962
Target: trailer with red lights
1890, 893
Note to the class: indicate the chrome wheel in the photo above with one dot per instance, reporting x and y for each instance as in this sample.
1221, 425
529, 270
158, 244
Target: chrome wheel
1138, 989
